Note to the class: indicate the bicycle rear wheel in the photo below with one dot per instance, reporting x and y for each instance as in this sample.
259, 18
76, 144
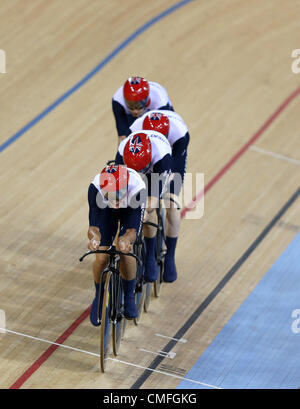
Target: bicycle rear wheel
105, 335
118, 325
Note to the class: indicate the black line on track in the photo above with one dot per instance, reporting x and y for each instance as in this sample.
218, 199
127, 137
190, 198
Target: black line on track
196, 314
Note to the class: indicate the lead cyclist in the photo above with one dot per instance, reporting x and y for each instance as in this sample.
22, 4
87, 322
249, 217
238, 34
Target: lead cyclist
117, 194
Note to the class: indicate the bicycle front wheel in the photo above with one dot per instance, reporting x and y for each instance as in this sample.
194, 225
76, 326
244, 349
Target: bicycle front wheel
118, 325
105, 335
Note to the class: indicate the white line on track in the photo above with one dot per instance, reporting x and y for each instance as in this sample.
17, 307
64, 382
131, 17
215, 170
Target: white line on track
48, 342
111, 359
183, 340
160, 353
167, 374
276, 155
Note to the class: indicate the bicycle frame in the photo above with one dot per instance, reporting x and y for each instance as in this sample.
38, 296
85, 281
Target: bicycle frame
114, 291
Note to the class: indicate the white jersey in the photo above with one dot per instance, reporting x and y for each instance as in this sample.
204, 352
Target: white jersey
159, 144
178, 128
135, 185
158, 97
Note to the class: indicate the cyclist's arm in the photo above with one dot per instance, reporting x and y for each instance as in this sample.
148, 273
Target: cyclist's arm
163, 168
179, 151
134, 219
94, 215
121, 120
167, 107
119, 159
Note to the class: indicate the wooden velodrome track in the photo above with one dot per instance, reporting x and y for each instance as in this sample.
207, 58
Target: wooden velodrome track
227, 69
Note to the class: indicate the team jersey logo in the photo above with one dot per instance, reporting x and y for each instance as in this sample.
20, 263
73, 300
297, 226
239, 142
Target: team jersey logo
155, 116
135, 80
111, 169
135, 145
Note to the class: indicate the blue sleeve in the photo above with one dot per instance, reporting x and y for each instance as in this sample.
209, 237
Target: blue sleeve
163, 167
120, 118
135, 214
140, 198
94, 210
119, 159
167, 107
179, 153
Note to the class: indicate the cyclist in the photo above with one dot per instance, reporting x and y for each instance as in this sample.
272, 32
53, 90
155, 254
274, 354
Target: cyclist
131, 100
115, 194
148, 152
175, 130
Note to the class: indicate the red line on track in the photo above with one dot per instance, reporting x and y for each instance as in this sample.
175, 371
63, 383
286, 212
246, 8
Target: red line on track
240, 152
35, 366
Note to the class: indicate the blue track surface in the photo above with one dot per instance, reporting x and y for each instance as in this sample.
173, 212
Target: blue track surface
259, 346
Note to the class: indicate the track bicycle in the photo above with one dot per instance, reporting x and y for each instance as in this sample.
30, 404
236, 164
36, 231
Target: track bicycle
111, 312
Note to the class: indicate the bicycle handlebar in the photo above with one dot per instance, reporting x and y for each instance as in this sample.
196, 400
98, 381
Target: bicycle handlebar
111, 162
111, 251
150, 224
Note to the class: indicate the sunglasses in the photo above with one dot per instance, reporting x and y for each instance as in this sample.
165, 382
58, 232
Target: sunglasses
132, 105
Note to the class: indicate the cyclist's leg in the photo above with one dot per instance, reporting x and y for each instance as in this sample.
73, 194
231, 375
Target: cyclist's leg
130, 220
151, 266
172, 225
99, 264
128, 273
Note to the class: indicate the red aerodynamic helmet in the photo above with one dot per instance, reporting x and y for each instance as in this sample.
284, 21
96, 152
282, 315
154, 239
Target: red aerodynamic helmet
136, 90
156, 121
138, 152
114, 178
